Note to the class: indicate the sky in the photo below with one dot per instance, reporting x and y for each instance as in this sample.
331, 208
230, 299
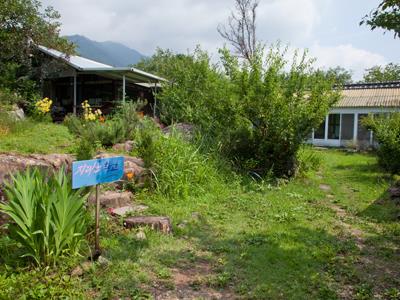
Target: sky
328, 28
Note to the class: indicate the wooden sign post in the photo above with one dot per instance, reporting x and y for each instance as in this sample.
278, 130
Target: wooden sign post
94, 172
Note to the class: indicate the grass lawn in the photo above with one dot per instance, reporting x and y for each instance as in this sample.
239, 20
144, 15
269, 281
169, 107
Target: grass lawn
331, 235
37, 137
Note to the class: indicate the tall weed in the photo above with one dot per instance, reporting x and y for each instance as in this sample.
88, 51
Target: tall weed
9, 124
180, 169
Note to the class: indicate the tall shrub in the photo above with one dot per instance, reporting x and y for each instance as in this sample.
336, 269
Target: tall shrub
387, 132
48, 217
282, 101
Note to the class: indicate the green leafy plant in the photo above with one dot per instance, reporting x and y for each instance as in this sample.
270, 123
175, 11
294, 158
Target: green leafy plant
145, 138
308, 160
48, 217
117, 128
387, 132
85, 150
8, 98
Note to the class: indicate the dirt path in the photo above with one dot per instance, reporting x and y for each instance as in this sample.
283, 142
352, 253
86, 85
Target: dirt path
192, 282
349, 229
371, 270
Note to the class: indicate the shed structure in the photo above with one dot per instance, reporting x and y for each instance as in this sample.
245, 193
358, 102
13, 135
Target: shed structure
70, 79
342, 127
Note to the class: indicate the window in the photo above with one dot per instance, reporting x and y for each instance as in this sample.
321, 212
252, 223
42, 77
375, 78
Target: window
333, 126
320, 132
347, 127
363, 133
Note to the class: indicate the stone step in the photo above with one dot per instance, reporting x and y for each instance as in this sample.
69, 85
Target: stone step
112, 199
162, 224
124, 210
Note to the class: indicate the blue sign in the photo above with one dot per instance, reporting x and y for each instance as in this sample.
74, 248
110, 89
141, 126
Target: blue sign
96, 171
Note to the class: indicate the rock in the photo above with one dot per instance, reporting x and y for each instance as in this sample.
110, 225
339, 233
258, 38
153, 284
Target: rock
119, 147
158, 122
17, 113
112, 199
127, 146
162, 224
186, 129
196, 216
81, 269
131, 167
124, 210
12, 163
78, 271
141, 236
183, 224
103, 261
394, 192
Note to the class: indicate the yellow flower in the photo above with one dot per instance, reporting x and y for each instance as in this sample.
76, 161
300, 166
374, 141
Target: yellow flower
43, 106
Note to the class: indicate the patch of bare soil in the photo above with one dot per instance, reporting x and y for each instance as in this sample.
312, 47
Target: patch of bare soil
356, 233
191, 283
325, 187
371, 267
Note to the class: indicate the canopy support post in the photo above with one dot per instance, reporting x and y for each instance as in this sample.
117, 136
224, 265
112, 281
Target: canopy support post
75, 92
123, 88
155, 100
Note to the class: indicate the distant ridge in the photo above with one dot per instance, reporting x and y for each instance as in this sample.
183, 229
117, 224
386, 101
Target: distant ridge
111, 53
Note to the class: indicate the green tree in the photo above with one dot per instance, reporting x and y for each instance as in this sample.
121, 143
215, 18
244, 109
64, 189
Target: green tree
24, 23
164, 63
281, 107
385, 16
340, 75
390, 72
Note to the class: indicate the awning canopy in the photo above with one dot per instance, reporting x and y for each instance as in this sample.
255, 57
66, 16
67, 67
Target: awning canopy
85, 65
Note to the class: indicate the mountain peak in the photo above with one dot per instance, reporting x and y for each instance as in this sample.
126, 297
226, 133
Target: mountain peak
109, 52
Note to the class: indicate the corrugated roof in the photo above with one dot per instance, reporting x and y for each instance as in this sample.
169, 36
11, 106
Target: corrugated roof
74, 61
371, 95
87, 65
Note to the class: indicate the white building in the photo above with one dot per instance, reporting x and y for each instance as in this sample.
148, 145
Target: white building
342, 126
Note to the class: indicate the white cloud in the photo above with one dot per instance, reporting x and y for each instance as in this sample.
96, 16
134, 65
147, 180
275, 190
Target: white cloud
288, 20
181, 24
144, 25
346, 56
